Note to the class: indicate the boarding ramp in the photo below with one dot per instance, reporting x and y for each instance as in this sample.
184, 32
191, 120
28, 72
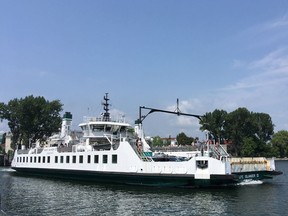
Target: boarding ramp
248, 164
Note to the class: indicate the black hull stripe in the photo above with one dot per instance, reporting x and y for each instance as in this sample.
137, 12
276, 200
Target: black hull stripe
175, 180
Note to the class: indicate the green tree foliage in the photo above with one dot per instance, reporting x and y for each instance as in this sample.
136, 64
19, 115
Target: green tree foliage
10, 111
214, 122
249, 132
238, 125
157, 141
280, 142
182, 139
3, 139
2, 110
33, 118
249, 147
264, 127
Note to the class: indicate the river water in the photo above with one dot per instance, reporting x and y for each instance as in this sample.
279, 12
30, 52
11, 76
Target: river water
22, 195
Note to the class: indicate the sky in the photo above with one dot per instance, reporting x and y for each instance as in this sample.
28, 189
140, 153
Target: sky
208, 54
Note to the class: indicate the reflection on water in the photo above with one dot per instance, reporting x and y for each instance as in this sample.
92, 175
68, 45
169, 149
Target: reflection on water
38, 196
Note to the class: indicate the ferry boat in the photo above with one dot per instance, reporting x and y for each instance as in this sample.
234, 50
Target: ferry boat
112, 151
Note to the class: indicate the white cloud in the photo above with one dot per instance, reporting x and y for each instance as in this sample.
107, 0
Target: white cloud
238, 63
271, 70
273, 34
263, 89
273, 62
269, 26
277, 23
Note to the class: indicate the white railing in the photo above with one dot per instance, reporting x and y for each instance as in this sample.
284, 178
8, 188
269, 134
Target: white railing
218, 151
87, 119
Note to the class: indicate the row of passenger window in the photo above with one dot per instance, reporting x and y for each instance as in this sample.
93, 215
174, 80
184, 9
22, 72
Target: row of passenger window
67, 159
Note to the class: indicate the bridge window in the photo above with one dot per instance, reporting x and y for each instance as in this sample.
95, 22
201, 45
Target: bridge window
74, 159
56, 159
105, 159
114, 159
96, 158
89, 159
81, 159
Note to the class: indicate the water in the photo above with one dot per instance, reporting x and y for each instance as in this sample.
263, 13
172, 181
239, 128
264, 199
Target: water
22, 195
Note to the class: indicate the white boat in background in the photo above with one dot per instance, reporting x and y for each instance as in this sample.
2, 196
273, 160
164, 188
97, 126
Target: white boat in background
112, 151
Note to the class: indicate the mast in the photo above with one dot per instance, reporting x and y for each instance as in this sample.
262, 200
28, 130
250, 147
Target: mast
106, 115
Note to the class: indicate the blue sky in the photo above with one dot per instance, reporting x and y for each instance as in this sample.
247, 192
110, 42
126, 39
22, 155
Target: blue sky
210, 54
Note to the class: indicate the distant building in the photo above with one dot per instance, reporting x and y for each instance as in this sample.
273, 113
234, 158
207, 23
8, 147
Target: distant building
2, 139
5, 141
8, 142
172, 141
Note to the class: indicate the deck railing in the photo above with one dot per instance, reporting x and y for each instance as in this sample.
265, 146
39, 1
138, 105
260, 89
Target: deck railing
218, 151
141, 154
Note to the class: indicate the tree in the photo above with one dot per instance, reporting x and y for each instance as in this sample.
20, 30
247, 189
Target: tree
31, 118
182, 139
2, 110
280, 141
214, 123
157, 141
249, 132
3, 138
238, 125
262, 134
2, 151
264, 127
270, 151
249, 147
245, 129
10, 112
